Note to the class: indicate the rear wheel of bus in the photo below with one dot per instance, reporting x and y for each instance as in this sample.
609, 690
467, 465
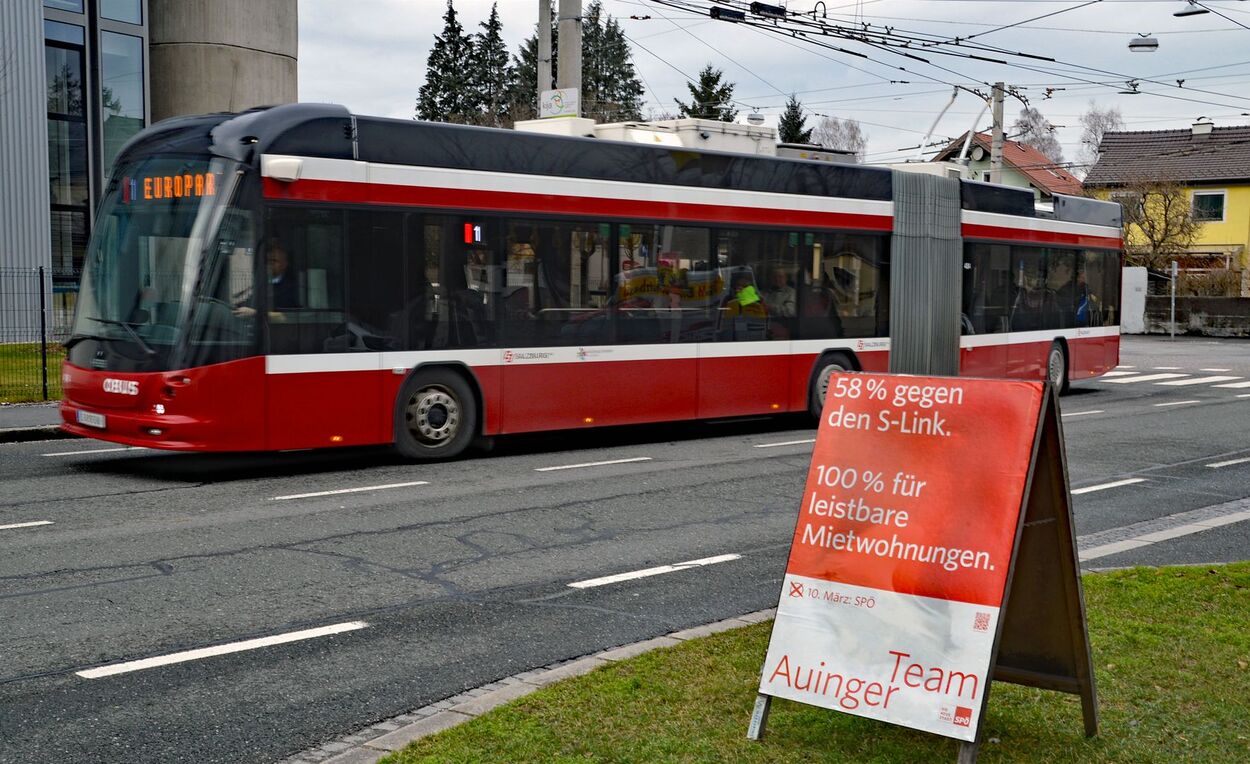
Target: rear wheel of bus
1057, 367
435, 415
826, 367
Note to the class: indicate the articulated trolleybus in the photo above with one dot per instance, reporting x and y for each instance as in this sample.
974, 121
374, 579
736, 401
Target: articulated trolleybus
300, 277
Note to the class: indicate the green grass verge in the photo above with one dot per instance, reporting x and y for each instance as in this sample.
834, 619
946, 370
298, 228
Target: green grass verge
1172, 663
21, 378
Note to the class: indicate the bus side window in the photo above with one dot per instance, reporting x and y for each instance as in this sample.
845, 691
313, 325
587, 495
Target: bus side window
986, 292
306, 281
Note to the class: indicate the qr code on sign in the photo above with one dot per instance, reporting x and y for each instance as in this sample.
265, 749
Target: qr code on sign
981, 622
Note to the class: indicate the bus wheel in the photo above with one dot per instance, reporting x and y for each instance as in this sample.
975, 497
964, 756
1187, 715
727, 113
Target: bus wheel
435, 416
830, 365
1057, 368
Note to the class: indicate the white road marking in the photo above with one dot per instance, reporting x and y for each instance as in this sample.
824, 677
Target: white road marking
1234, 385
1175, 403
1166, 368
1230, 462
787, 443
1125, 366
1120, 373
605, 580
226, 649
349, 490
96, 451
1156, 537
1083, 413
592, 464
1105, 486
1197, 381
1215, 370
1144, 378
1246, 395
25, 525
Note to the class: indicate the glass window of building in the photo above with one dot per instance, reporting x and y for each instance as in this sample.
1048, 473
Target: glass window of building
68, 175
64, 5
121, 65
129, 11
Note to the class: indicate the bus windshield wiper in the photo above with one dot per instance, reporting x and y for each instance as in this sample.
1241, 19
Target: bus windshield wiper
78, 337
129, 330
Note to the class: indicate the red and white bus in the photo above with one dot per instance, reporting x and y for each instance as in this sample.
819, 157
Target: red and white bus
300, 277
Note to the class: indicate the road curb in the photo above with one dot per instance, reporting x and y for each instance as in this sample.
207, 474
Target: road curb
371, 744
41, 432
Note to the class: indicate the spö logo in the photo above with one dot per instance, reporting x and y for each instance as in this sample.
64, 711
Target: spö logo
963, 716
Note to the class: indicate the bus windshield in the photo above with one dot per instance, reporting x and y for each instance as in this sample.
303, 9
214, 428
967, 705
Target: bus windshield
168, 279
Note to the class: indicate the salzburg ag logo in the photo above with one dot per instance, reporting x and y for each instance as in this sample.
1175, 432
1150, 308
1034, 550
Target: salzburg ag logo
963, 716
121, 386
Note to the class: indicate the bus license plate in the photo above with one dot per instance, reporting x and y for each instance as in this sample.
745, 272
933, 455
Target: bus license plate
91, 419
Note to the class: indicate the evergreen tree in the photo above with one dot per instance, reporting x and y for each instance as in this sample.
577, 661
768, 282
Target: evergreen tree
792, 128
611, 90
710, 98
525, 64
491, 76
445, 96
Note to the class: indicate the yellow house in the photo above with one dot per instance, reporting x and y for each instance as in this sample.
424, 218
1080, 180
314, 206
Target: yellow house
1212, 164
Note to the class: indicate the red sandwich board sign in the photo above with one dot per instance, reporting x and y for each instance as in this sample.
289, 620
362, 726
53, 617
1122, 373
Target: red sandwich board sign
933, 553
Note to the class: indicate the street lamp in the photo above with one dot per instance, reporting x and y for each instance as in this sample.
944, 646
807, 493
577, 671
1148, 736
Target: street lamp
1191, 9
1143, 43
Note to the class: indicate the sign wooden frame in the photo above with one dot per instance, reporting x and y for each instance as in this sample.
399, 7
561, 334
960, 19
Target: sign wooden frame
1041, 639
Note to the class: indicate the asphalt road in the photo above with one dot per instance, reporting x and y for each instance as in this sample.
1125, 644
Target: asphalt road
462, 571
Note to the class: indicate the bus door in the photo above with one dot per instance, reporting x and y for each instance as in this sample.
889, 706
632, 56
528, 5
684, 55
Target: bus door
322, 389
986, 302
585, 328
745, 368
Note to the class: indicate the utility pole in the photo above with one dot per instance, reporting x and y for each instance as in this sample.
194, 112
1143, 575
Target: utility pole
544, 47
569, 67
996, 145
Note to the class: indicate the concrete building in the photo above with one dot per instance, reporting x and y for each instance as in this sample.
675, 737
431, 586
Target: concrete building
78, 78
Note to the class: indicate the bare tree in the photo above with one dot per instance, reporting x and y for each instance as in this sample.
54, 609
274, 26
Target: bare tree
841, 135
1094, 123
1032, 129
1158, 222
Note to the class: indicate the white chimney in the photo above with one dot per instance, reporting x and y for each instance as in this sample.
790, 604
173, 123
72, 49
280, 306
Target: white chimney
1202, 128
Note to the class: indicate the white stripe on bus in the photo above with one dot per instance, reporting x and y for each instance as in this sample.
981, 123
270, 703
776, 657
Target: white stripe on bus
1037, 224
349, 171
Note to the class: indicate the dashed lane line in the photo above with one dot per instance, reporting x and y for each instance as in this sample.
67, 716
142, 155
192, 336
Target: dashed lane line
656, 571
1198, 381
1174, 403
1105, 486
15, 526
1234, 385
348, 490
96, 451
1143, 378
226, 649
1166, 368
1229, 463
593, 464
1215, 370
786, 443
1084, 413
1119, 374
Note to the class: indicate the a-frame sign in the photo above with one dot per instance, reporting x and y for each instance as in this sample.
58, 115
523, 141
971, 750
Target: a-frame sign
934, 552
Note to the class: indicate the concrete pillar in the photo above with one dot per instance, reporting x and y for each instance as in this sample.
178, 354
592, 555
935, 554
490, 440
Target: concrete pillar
221, 55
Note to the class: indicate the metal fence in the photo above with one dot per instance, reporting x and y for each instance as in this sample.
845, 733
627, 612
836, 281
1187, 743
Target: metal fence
36, 313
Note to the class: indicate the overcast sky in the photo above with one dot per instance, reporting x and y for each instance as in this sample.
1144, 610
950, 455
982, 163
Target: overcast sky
370, 56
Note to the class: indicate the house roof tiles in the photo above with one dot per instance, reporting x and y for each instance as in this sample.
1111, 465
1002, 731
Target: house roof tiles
1175, 155
1035, 165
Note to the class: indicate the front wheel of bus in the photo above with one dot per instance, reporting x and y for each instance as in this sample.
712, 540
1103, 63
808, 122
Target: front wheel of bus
834, 364
435, 416
1057, 368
